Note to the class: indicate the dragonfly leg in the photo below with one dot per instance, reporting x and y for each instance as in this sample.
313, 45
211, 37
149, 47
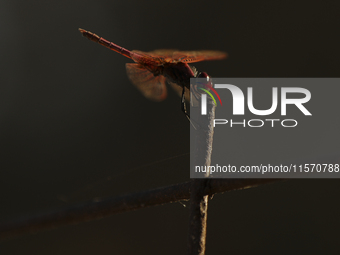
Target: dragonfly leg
183, 105
184, 109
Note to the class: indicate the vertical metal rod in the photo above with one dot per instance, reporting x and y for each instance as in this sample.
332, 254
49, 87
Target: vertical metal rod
203, 139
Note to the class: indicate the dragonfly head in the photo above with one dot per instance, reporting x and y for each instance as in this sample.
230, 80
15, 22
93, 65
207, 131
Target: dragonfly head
207, 84
203, 75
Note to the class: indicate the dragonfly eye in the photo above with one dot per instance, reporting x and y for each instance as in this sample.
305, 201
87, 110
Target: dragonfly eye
208, 82
203, 75
197, 88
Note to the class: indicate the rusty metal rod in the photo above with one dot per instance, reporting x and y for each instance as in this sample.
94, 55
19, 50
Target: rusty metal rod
96, 210
201, 143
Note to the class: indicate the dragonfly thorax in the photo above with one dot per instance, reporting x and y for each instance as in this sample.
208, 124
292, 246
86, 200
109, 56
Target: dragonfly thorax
179, 73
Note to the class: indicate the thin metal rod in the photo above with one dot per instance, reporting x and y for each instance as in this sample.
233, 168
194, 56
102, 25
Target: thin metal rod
202, 146
96, 210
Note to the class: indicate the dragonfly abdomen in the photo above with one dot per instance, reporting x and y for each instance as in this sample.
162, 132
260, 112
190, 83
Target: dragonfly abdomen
95, 38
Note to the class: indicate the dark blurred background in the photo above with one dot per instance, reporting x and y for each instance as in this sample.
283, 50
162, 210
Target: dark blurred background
73, 128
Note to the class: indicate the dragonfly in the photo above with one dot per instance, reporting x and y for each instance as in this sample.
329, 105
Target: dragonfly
152, 71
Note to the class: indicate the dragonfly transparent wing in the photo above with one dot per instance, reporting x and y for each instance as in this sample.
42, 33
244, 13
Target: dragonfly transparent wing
158, 57
197, 56
152, 87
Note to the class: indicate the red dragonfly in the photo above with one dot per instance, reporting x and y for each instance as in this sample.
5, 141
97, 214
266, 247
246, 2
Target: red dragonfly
153, 70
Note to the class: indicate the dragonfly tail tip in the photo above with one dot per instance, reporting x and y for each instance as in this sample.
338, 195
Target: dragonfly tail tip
81, 30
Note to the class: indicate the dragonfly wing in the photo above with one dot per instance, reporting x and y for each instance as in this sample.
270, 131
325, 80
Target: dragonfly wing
197, 56
162, 52
145, 58
159, 57
152, 87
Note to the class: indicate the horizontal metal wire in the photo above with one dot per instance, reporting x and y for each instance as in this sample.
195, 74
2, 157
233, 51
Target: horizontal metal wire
96, 210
